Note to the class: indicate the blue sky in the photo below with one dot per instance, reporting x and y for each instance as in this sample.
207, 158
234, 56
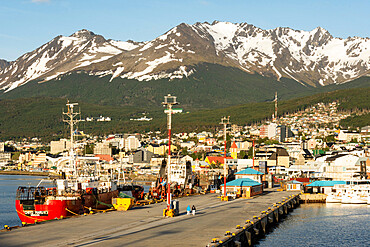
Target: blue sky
28, 24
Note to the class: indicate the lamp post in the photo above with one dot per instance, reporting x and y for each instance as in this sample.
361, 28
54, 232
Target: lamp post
253, 154
276, 107
225, 122
169, 101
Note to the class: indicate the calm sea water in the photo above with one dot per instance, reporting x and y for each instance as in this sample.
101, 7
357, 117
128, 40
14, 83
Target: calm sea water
322, 225
8, 188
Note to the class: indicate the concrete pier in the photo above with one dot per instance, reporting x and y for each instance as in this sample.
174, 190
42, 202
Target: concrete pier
310, 198
145, 226
253, 230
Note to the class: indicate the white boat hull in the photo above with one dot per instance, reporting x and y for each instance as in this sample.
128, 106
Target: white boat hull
353, 200
333, 199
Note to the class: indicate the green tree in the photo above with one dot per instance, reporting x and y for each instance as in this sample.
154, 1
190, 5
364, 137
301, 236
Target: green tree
354, 140
250, 152
184, 151
15, 155
198, 155
89, 149
329, 138
242, 154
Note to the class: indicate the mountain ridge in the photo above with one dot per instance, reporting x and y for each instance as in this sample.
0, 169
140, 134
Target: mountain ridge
212, 86
314, 58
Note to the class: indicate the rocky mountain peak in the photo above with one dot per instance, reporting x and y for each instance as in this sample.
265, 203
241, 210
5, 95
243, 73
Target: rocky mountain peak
3, 64
321, 36
83, 33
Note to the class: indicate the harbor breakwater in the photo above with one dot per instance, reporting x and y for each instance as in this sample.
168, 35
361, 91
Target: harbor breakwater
257, 227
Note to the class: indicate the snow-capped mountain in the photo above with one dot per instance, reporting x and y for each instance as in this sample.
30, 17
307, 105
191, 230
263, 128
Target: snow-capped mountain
309, 57
59, 56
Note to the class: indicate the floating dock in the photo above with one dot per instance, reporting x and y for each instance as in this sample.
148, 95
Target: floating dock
145, 225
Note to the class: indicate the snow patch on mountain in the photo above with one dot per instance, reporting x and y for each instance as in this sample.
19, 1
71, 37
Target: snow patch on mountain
117, 72
125, 45
144, 75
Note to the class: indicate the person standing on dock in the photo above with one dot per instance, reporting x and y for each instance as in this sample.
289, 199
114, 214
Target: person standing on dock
188, 210
193, 210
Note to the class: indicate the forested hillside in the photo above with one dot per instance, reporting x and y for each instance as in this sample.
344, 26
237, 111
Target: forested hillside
42, 117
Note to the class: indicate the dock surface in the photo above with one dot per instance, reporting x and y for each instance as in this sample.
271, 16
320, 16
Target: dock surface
145, 226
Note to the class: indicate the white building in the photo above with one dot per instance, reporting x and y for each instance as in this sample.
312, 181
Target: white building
103, 148
240, 163
59, 146
342, 167
269, 131
132, 143
272, 130
246, 145
4, 158
293, 148
347, 136
188, 144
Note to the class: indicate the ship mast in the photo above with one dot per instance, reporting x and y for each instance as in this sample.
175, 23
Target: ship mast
71, 120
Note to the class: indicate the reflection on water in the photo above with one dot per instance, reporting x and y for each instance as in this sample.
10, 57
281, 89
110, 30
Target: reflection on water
322, 225
8, 188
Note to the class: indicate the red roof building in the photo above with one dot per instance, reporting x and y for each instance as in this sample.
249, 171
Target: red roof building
104, 157
215, 160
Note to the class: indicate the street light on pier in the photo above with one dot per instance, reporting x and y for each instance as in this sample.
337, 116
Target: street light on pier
225, 121
169, 101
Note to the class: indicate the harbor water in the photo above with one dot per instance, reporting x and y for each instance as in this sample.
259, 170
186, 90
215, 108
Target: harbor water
8, 188
320, 224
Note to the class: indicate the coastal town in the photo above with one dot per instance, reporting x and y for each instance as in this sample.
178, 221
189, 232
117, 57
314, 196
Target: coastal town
300, 157
308, 143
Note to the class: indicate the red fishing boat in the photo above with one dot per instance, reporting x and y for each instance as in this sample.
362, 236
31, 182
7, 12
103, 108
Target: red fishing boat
37, 204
